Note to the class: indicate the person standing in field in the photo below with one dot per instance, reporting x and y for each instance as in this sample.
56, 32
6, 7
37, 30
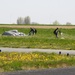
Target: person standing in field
56, 31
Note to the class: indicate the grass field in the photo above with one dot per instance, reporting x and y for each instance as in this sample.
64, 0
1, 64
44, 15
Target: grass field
30, 61
43, 39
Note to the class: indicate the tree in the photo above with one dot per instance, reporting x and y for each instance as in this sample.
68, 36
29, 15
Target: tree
34, 23
20, 20
68, 23
56, 23
27, 20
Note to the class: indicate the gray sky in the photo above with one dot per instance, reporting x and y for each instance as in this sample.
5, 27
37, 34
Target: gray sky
40, 11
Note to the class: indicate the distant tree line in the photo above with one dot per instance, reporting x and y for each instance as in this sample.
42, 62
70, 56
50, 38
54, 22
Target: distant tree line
25, 20
57, 23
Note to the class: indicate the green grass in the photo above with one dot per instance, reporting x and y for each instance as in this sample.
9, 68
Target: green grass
28, 61
43, 39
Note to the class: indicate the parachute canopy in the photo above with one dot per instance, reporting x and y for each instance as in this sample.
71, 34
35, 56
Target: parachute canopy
13, 33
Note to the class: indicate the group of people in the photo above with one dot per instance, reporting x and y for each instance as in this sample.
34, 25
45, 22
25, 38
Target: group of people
56, 32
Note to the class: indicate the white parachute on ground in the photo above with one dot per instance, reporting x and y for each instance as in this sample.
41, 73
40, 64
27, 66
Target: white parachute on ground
14, 33
62, 36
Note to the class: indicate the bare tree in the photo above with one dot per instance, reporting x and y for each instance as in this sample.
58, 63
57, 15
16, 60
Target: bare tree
20, 20
56, 23
27, 20
68, 23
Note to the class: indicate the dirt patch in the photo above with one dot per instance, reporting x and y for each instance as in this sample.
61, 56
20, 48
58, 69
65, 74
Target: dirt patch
67, 27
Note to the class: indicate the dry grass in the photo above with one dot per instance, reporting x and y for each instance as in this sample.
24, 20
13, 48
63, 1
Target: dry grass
30, 26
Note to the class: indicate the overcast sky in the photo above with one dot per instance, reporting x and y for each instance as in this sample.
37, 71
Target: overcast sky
40, 11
